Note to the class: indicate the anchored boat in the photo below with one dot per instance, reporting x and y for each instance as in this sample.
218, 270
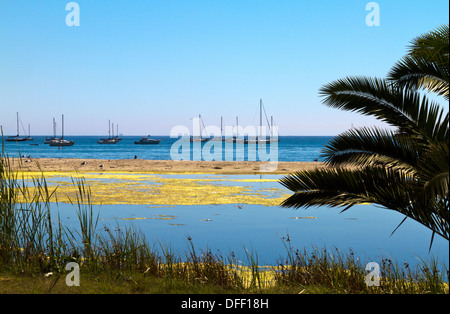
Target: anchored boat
17, 138
47, 140
61, 141
146, 141
109, 140
262, 139
199, 138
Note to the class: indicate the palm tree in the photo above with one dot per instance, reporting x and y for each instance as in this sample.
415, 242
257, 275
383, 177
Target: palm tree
426, 65
404, 169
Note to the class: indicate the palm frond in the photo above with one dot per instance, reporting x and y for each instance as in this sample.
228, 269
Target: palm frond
405, 109
372, 146
426, 66
421, 73
367, 96
434, 171
339, 187
388, 188
436, 40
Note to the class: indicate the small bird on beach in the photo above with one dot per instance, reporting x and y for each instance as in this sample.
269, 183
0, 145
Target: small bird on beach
83, 163
101, 166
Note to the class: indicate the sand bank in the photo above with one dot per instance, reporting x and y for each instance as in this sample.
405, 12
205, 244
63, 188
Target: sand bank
159, 166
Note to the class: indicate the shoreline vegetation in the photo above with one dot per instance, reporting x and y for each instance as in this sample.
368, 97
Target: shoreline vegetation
35, 249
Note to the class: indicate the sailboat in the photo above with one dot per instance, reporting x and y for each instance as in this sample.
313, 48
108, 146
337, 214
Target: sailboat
17, 138
272, 139
221, 138
199, 138
29, 138
109, 140
117, 138
48, 139
234, 139
260, 139
61, 141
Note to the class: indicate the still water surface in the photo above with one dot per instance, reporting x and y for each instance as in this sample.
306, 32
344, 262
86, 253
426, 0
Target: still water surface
235, 227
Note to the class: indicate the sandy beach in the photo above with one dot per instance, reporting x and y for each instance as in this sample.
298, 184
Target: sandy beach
158, 166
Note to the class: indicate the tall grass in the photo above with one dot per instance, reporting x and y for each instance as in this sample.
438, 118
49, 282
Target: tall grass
29, 237
344, 272
34, 240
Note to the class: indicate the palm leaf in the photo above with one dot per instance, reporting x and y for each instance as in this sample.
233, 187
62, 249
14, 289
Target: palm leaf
408, 110
427, 64
418, 72
372, 146
388, 188
338, 187
434, 171
436, 41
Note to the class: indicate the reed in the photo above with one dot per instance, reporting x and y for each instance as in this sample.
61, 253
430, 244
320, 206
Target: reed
26, 228
209, 268
340, 272
87, 220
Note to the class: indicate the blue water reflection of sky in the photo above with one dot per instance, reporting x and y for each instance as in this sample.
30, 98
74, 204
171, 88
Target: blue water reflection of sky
365, 229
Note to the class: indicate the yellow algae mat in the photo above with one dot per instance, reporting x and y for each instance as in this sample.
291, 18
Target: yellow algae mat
157, 189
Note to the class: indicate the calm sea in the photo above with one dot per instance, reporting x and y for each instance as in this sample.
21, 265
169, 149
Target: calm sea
289, 148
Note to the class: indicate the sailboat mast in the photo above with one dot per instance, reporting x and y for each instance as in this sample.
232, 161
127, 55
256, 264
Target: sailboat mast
260, 117
17, 124
62, 132
271, 126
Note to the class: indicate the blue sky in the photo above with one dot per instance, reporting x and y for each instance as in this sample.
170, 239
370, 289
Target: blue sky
151, 65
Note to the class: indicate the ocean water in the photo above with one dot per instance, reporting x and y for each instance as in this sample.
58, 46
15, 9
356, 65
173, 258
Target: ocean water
289, 148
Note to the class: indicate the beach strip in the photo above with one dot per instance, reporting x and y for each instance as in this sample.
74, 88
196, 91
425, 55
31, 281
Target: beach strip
159, 166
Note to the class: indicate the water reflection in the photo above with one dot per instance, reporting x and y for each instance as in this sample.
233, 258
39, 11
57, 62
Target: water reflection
233, 226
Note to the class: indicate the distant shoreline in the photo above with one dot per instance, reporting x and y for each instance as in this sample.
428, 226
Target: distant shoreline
155, 166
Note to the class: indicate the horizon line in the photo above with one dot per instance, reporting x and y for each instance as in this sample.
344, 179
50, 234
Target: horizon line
148, 135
